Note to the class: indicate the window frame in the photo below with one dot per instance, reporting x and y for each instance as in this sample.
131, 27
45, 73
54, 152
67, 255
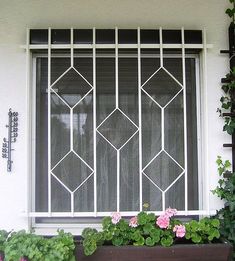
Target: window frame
203, 178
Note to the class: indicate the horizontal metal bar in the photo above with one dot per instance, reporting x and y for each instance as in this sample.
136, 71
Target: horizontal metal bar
228, 114
112, 46
124, 214
229, 145
227, 52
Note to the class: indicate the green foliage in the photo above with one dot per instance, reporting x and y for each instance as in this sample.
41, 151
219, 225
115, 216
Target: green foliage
37, 248
228, 101
226, 191
231, 11
3, 237
203, 231
147, 232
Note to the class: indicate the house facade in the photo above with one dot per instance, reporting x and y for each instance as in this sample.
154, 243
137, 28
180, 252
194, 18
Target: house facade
116, 104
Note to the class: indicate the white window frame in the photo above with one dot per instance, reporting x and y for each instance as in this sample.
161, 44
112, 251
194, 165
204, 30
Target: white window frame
203, 178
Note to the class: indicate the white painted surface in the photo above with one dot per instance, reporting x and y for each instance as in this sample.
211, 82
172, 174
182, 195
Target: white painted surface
16, 16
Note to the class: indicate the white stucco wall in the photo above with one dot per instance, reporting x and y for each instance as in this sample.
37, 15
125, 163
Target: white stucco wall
17, 15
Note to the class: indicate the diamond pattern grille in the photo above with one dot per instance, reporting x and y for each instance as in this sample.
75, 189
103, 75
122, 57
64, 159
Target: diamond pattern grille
160, 173
117, 129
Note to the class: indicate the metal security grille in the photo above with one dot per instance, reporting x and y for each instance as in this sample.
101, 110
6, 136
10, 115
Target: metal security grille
109, 131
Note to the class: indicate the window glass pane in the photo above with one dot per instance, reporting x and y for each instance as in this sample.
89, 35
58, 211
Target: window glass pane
148, 67
83, 129
128, 87
162, 87
84, 196
105, 87
152, 196
175, 196
72, 171
151, 129
129, 176
41, 203
60, 197
192, 134
163, 171
60, 129
174, 129
174, 67
106, 176
72, 132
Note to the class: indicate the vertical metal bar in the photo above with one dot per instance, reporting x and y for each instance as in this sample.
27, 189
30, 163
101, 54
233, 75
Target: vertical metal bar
185, 122
49, 120
162, 127
163, 201
207, 192
161, 47
117, 104
72, 203
94, 121
116, 68
162, 110
71, 109
140, 124
71, 128
72, 47
118, 180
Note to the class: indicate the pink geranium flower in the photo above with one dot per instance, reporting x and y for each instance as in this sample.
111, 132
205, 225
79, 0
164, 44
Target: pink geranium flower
133, 222
163, 221
180, 230
170, 212
22, 259
116, 216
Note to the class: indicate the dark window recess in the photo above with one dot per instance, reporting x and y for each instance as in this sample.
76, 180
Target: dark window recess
127, 36
38, 36
171, 36
83, 36
105, 36
149, 36
193, 36
60, 36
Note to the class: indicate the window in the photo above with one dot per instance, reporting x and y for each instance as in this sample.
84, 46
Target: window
116, 129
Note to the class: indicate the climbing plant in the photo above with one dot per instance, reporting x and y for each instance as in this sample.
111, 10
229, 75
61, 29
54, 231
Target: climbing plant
228, 98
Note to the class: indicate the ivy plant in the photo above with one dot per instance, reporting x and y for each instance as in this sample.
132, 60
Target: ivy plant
228, 98
228, 102
231, 11
226, 191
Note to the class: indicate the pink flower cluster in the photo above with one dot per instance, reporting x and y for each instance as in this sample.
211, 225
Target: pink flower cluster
133, 222
116, 216
163, 221
180, 230
21, 259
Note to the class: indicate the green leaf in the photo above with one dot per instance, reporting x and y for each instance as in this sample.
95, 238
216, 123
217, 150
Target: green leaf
167, 241
140, 242
229, 12
142, 218
117, 241
149, 241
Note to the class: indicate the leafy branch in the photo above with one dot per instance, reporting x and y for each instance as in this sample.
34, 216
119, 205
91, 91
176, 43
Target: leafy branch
231, 11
